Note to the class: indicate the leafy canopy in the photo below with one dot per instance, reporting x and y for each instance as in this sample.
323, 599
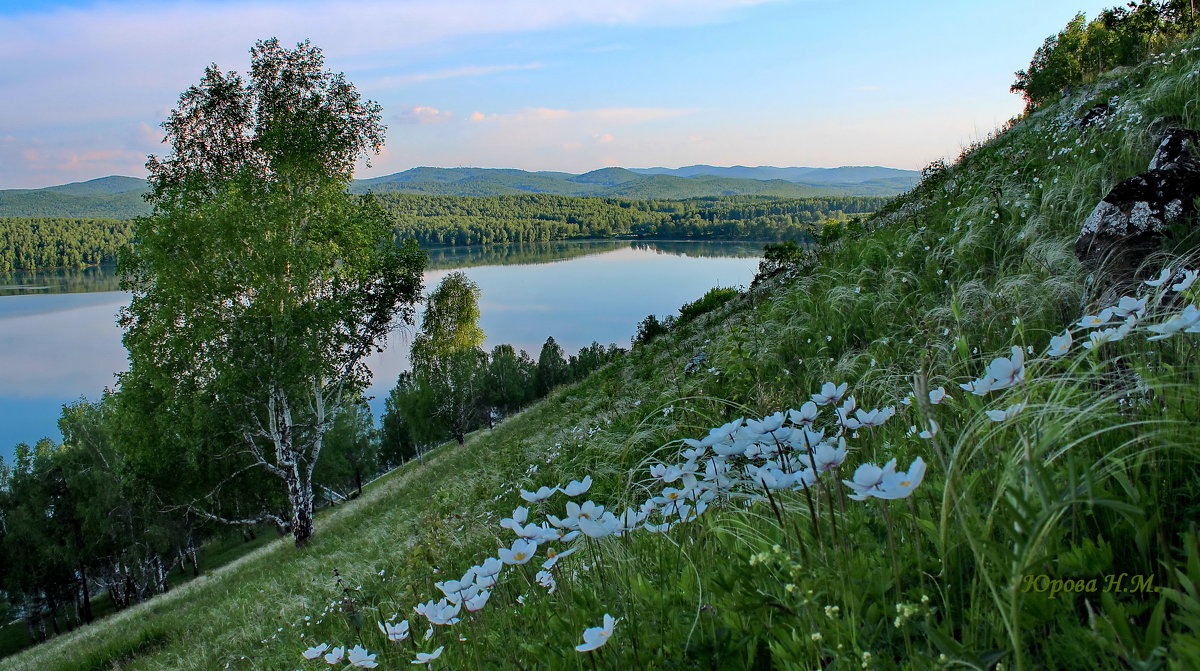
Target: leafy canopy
259, 284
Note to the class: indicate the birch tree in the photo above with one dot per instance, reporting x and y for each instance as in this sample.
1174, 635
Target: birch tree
259, 284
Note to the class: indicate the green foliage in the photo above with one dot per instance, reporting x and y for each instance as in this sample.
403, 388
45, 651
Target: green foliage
259, 285
711, 300
781, 257
510, 380
650, 328
407, 425
350, 453
49, 203
450, 322
31, 243
552, 369
451, 220
1085, 49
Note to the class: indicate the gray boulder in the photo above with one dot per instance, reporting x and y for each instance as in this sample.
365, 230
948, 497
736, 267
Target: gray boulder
1130, 222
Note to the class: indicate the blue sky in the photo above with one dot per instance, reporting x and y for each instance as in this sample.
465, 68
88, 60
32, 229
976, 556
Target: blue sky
539, 84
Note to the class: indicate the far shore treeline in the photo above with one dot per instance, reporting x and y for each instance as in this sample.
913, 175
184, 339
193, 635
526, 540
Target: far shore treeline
30, 243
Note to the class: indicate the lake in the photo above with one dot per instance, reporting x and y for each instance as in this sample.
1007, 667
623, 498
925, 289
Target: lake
59, 340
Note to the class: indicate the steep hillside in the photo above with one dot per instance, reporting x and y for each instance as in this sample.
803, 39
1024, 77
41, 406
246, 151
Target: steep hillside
1052, 525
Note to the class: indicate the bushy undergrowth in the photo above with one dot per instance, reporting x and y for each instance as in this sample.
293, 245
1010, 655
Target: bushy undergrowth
1059, 536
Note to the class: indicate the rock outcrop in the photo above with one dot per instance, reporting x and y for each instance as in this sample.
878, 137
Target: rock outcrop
1130, 222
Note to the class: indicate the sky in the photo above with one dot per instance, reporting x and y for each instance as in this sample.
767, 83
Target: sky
566, 85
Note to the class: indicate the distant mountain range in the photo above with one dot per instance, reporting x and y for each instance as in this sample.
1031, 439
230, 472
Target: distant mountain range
121, 197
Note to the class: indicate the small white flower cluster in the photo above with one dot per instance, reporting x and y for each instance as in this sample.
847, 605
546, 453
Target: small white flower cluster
1115, 322
357, 656
738, 460
1111, 324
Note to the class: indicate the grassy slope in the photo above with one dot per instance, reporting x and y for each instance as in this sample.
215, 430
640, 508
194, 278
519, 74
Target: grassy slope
1095, 477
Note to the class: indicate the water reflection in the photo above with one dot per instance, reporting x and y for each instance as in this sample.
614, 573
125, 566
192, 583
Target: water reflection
56, 346
60, 281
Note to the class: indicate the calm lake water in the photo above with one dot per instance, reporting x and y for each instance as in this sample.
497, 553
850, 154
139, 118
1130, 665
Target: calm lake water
59, 339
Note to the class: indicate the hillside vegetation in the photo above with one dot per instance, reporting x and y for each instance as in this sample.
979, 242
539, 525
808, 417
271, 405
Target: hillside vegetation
1046, 524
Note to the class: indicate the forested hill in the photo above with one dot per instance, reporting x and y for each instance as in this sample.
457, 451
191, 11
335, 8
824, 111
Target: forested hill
121, 197
28, 243
690, 182
449, 220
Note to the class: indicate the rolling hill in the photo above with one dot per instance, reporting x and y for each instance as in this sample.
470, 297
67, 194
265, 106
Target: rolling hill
121, 197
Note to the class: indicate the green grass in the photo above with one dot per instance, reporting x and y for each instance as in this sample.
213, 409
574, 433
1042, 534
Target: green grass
1094, 478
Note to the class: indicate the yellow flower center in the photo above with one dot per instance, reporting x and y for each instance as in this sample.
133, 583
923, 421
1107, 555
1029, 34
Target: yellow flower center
905, 483
519, 556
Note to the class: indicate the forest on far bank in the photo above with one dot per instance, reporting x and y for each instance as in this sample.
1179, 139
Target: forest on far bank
31, 243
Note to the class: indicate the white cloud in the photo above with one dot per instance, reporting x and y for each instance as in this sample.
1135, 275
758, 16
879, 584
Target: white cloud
618, 116
448, 73
421, 114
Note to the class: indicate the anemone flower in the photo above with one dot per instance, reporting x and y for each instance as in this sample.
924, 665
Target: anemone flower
427, 657
1184, 321
932, 431
594, 637
490, 567
522, 551
1060, 344
770, 478
1096, 321
830, 393
1189, 278
552, 557
805, 416
1128, 306
979, 387
443, 613
1007, 372
1161, 279
866, 478
577, 487
600, 527
767, 424
1007, 413
541, 494
1113, 334
315, 651
872, 418
477, 602
827, 457
899, 484
359, 657
335, 656
546, 579
519, 517
393, 632
937, 395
